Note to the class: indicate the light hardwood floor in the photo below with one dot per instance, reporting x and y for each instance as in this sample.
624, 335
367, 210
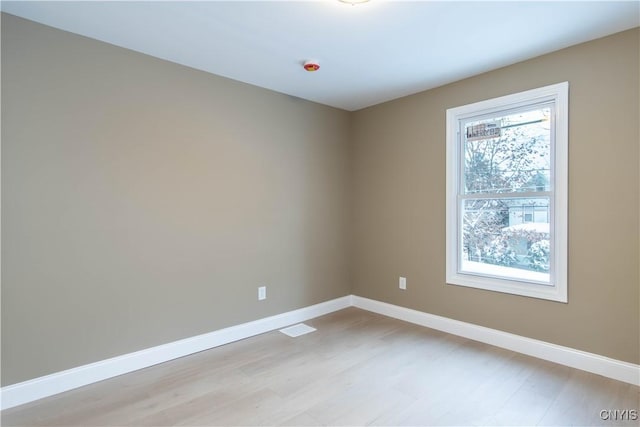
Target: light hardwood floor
358, 368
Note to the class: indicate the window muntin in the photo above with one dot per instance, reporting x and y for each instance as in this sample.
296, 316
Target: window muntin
506, 185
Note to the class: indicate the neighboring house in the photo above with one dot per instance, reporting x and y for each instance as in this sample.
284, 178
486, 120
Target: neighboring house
529, 212
528, 233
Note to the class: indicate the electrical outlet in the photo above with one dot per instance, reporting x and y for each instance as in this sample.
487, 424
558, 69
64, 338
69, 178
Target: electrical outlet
402, 283
262, 293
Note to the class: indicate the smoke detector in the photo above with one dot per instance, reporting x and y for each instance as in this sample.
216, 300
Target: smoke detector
311, 65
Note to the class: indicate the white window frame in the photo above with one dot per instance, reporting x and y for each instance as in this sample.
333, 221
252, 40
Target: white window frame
556, 289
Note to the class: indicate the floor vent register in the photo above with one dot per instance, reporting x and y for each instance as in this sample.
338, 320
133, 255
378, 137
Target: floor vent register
297, 330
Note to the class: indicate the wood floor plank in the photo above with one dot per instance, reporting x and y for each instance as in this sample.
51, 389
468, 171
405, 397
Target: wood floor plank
358, 368
581, 399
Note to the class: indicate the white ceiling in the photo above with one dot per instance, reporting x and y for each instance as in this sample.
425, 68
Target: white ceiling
368, 53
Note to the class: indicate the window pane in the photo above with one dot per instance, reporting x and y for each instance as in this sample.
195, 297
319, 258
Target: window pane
507, 238
509, 153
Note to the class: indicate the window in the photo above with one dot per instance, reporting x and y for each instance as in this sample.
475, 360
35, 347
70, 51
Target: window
507, 193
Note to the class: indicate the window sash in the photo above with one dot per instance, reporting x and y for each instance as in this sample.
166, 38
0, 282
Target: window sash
522, 108
514, 276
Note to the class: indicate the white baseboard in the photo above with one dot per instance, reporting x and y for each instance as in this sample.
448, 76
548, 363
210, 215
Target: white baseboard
38, 388
590, 362
28, 391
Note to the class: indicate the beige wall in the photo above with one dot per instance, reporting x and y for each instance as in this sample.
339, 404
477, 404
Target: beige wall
399, 201
144, 202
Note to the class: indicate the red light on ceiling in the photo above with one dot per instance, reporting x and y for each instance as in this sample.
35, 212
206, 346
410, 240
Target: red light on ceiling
311, 65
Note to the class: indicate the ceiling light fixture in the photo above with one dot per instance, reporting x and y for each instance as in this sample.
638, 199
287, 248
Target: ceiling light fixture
353, 2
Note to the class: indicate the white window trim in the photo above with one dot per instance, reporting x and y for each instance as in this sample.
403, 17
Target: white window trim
557, 290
